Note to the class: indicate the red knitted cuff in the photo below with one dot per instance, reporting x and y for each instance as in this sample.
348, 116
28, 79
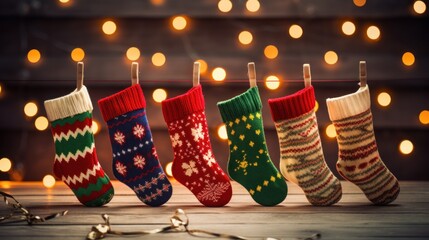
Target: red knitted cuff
293, 105
181, 106
127, 100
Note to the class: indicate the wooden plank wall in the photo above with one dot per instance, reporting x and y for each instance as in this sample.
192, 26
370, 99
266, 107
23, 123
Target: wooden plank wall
55, 30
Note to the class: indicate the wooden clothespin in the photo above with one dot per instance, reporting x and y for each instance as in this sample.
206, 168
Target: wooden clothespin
134, 73
362, 73
251, 72
79, 78
196, 74
307, 74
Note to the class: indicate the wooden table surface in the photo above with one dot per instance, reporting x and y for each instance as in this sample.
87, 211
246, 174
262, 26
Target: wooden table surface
354, 217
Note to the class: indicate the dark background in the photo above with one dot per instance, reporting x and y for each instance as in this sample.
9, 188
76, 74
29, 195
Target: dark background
56, 29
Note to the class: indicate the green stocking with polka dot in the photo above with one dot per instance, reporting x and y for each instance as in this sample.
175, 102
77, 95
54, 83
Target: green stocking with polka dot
249, 162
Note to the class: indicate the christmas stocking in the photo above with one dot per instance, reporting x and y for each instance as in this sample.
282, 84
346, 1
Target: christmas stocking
76, 160
194, 164
358, 159
302, 161
135, 162
249, 162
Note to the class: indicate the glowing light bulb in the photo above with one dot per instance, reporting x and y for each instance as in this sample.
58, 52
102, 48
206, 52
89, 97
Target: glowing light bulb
408, 59
295, 31
30, 109
330, 131
271, 52
221, 132
424, 117
159, 95
5, 165
406, 147
224, 6
384, 99
331, 57
253, 5
48, 181
272, 82
41, 123
133, 53
419, 7
109, 27
245, 37
348, 28
33, 56
219, 74
158, 59
179, 23
373, 32
77, 54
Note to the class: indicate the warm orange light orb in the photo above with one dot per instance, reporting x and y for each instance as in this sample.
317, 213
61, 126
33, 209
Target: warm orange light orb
109, 27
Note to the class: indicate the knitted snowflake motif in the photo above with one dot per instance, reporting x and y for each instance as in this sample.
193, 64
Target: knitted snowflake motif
119, 137
121, 168
138, 131
139, 161
213, 191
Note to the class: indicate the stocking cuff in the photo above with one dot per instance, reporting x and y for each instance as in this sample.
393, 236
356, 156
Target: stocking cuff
294, 105
183, 105
243, 104
349, 105
69, 105
127, 100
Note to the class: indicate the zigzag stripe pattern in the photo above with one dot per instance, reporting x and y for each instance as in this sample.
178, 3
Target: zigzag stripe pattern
359, 160
92, 187
70, 133
75, 155
302, 160
82, 176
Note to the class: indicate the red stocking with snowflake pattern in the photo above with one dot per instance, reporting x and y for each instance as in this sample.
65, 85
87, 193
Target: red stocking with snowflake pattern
194, 164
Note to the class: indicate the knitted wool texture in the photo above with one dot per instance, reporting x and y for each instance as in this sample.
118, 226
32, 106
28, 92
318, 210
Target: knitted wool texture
358, 159
249, 162
301, 155
76, 161
194, 164
135, 161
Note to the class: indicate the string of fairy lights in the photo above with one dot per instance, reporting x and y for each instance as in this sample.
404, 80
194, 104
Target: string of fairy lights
219, 74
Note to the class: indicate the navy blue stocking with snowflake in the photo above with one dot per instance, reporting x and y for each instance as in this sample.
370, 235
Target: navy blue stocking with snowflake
135, 161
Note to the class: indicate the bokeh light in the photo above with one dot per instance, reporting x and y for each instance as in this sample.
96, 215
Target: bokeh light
330, 131
159, 95
179, 23
252, 5
424, 117
331, 57
384, 99
316, 106
406, 147
373, 32
109, 27
359, 3
272, 82
158, 59
348, 28
203, 66
221, 132
95, 127
157, 2
30, 109
77, 54
5, 164
419, 7
224, 5
33, 55
219, 74
245, 37
271, 52
408, 59
63, 1
0, 89
168, 169
133, 53
41, 123
295, 31
48, 181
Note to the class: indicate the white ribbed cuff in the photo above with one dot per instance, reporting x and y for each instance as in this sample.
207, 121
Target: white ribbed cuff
349, 105
71, 104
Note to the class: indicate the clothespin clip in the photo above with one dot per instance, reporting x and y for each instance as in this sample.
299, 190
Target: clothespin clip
134, 73
196, 74
307, 74
79, 78
362, 73
251, 72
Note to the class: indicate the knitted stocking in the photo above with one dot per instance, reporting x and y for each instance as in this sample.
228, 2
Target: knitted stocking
135, 162
249, 162
358, 159
76, 160
194, 164
302, 161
